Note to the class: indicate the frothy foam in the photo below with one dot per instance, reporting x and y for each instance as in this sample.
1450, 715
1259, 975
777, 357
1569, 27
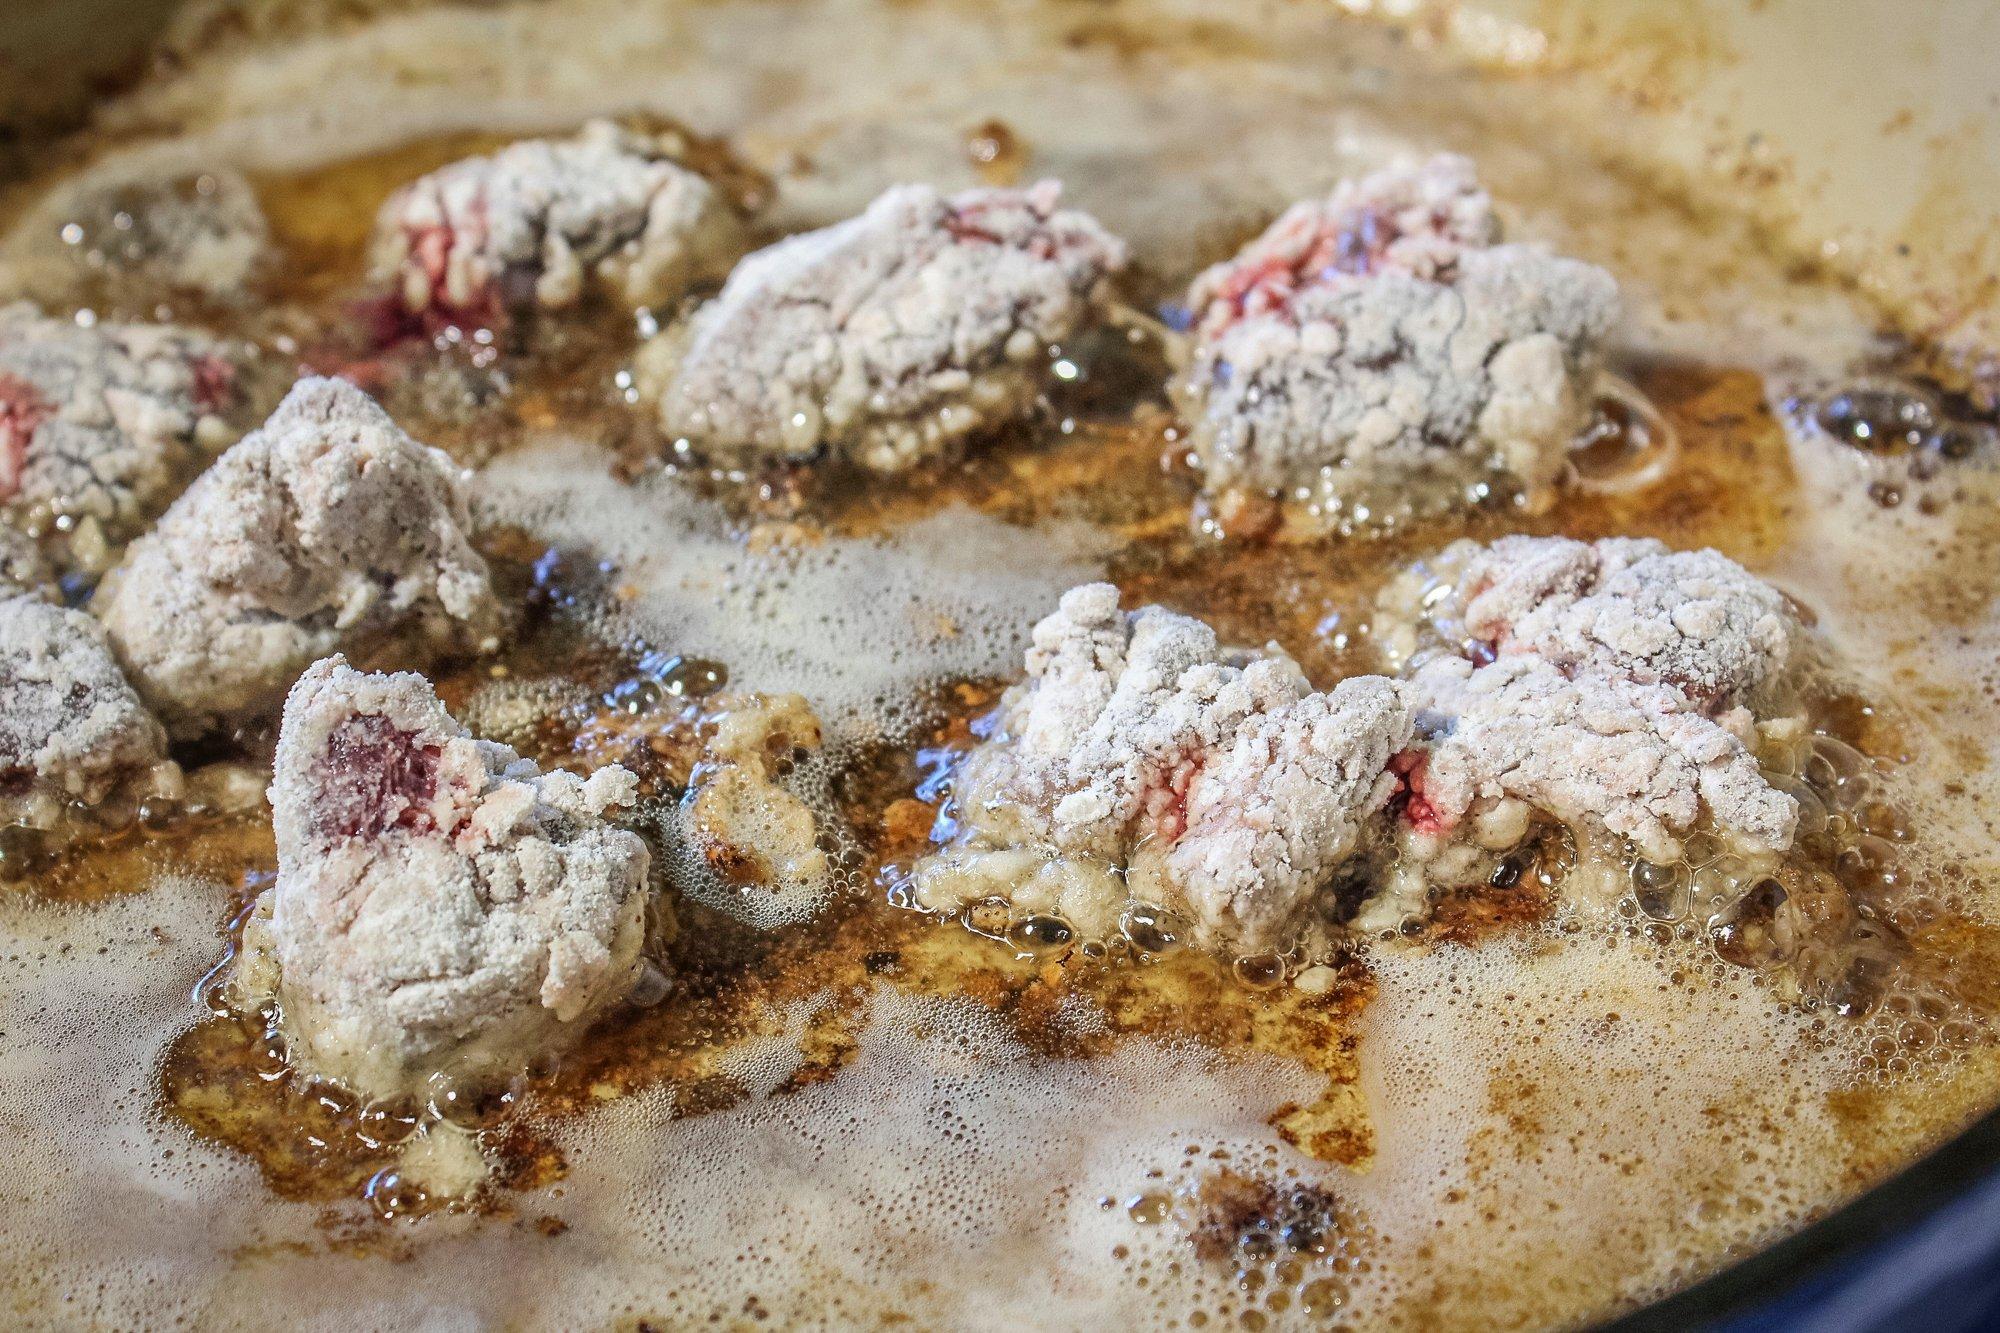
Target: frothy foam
101, 1194
1606, 1101
946, 1148
860, 626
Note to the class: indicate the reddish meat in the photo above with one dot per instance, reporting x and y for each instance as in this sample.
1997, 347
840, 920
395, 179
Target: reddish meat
966, 221
214, 384
374, 778
1312, 248
1164, 807
1409, 766
22, 409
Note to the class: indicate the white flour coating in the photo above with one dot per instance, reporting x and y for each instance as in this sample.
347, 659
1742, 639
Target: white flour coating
22, 566
1418, 219
141, 236
1379, 350
1271, 821
440, 901
542, 222
101, 424
1592, 751
752, 830
327, 530
1695, 621
1625, 689
888, 337
1140, 761
71, 728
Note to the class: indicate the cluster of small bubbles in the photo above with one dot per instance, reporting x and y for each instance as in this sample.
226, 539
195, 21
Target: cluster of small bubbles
468, 1097
989, 917
940, 1092
94, 995
1917, 1025
1260, 1239
1041, 937
771, 904
1824, 930
1640, 1028
1908, 440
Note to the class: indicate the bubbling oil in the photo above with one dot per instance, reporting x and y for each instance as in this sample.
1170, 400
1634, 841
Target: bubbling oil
853, 1114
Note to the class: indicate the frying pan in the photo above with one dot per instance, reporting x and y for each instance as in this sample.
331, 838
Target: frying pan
1870, 132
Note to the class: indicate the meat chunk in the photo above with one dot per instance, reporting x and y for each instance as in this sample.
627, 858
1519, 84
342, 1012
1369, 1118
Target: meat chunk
1627, 608
1141, 762
542, 223
884, 339
1271, 822
1693, 621
327, 530
1626, 691
136, 239
1379, 354
72, 731
439, 901
1594, 751
100, 426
